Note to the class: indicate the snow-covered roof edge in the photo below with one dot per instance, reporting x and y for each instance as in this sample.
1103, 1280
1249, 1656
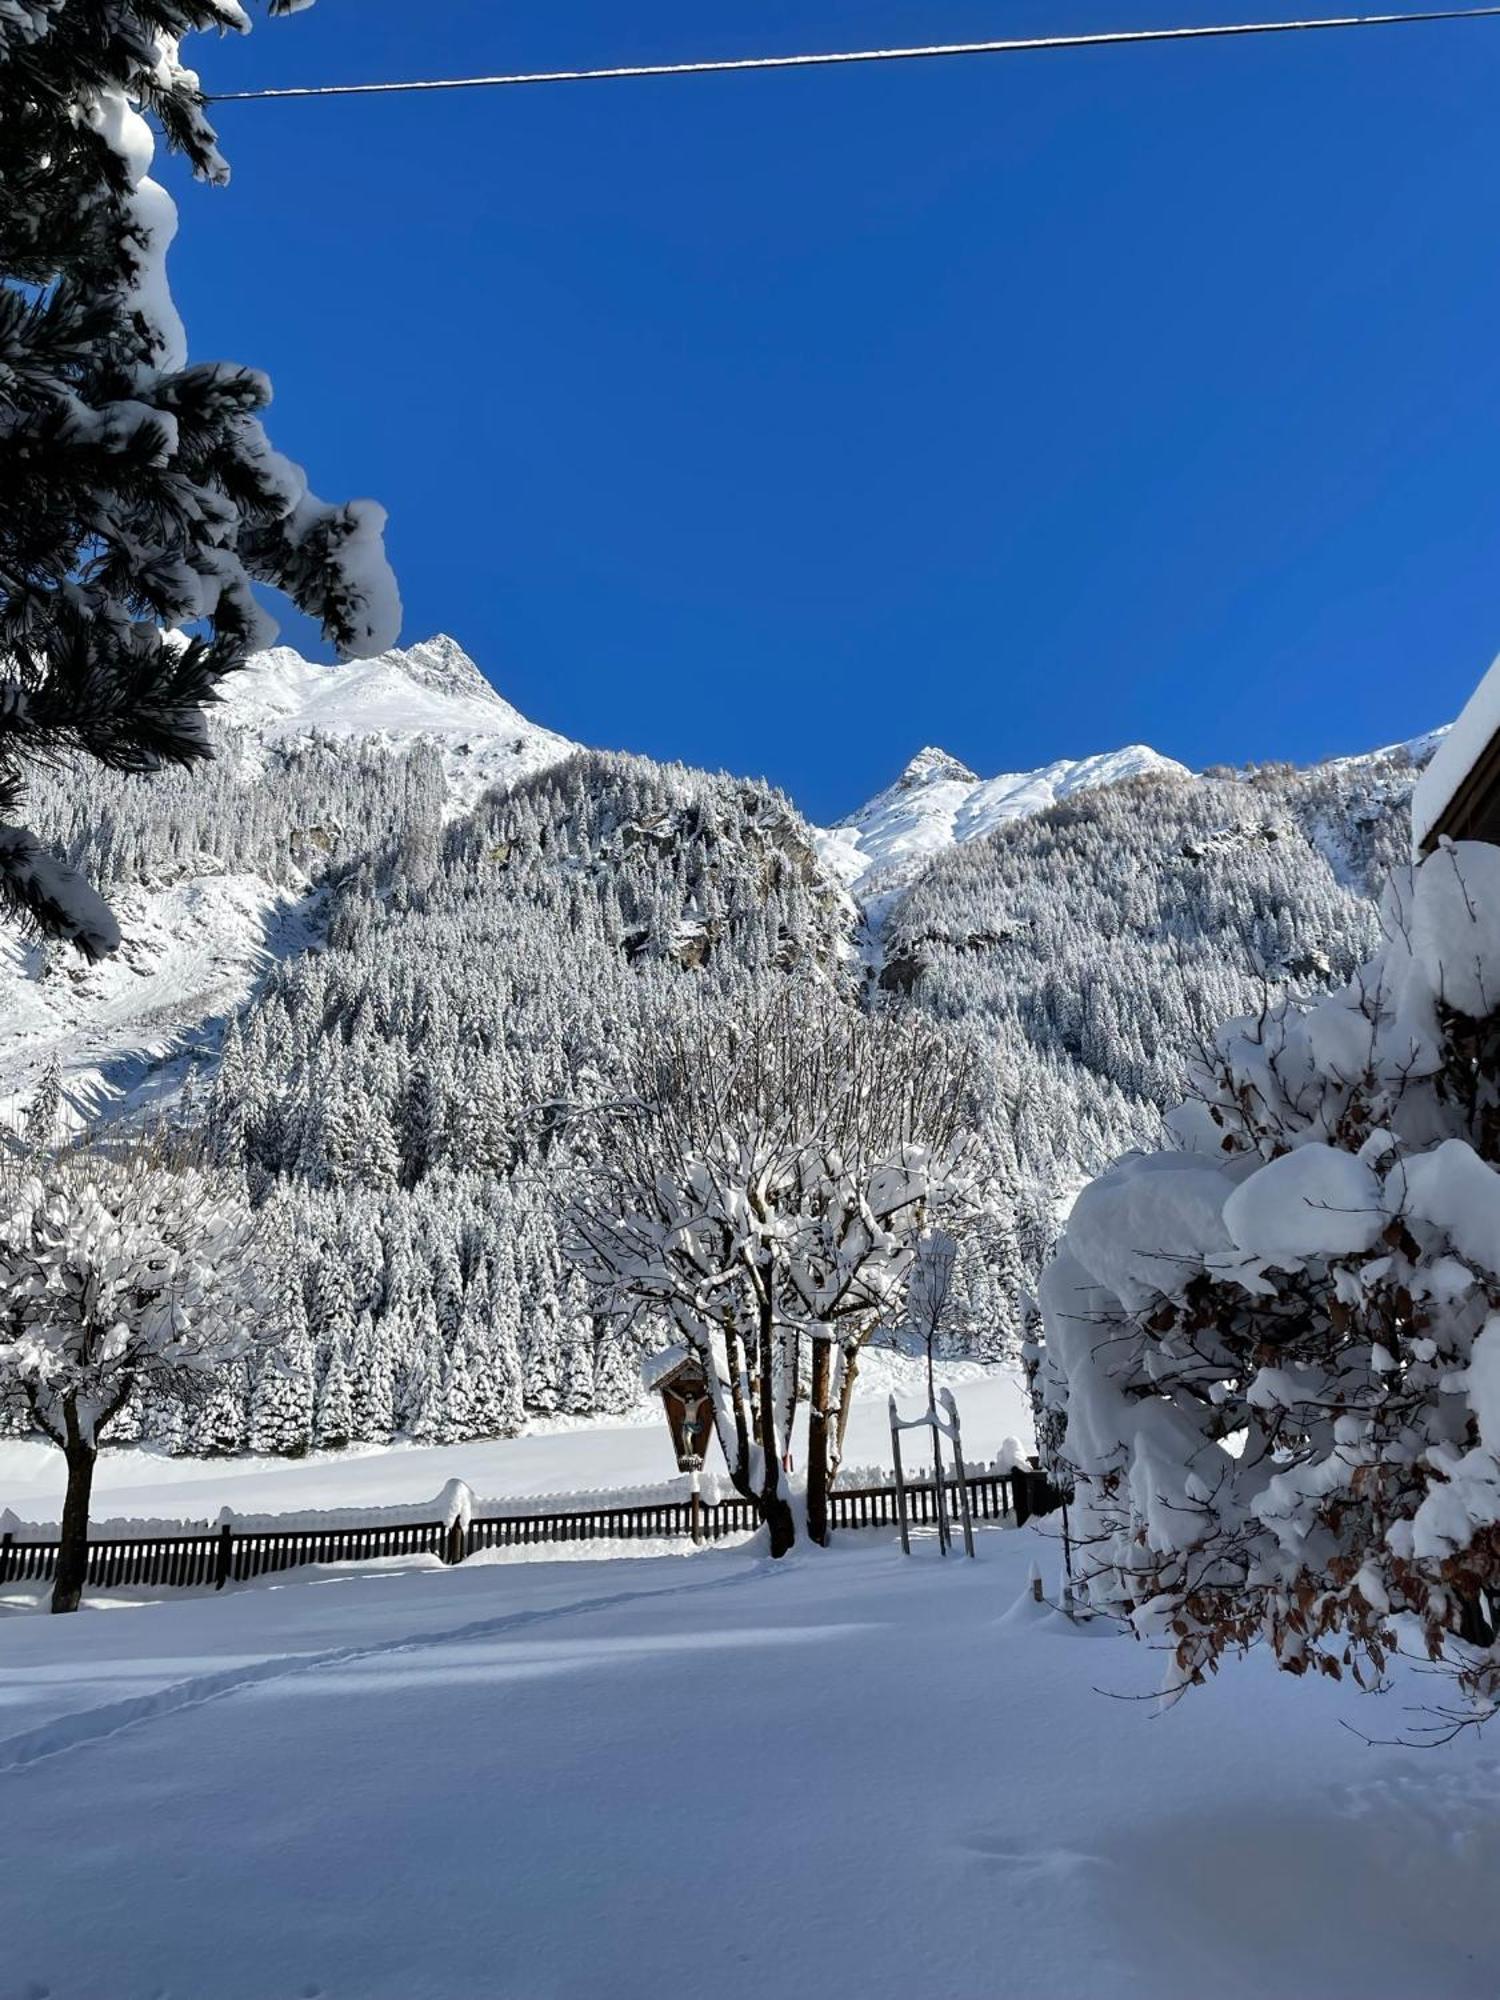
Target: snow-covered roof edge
1455, 757
655, 1368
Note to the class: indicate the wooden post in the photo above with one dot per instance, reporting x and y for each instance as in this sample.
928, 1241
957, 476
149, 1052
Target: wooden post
222, 1555
695, 1514
7, 1543
963, 1485
939, 1485
900, 1481
454, 1551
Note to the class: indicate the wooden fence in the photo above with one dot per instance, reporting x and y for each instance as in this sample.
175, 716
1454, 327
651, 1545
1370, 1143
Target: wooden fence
232, 1555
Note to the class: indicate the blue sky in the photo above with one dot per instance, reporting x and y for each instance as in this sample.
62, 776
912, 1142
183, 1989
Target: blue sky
1028, 406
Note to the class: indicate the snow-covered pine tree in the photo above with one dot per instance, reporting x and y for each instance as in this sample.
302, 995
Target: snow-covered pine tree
543, 1356
457, 1415
139, 494
579, 1390
282, 1389
372, 1383
333, 1414
217, 1427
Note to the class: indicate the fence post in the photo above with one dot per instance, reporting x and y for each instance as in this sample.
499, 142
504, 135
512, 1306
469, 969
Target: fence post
457, 1536
221, 1558
956, 1440
7, 1543
900, 1481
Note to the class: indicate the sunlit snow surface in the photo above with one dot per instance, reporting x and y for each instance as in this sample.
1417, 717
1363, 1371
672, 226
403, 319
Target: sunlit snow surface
847, 1774
938, 801
560, 1456
432, 690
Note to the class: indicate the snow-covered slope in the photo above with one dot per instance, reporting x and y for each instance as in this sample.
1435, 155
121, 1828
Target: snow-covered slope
195, 945
200, 929
431, 690
937, 802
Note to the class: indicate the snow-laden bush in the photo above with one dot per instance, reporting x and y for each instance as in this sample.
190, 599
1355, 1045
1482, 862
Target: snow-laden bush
1278, 1346
120, 1275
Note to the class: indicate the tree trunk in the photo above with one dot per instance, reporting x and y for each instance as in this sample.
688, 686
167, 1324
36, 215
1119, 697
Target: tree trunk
847, 1376
775, 1509
739, 1391
731, 1414
819, 1444
73, 1541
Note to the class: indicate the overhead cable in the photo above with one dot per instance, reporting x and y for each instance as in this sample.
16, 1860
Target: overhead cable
732, 65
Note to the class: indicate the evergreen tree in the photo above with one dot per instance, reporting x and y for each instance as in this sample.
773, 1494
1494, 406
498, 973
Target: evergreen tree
543, 1356
217, 1428
333, 1420
138, 493
371, 1383
281, 1398
578, 1388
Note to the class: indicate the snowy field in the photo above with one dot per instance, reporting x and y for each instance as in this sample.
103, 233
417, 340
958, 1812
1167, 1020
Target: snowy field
845, 1774
532, 1778
578, 1458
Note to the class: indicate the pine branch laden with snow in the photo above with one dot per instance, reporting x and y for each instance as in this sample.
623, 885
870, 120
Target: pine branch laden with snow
766, 1196
120, 1277
139, 493
1278, 1346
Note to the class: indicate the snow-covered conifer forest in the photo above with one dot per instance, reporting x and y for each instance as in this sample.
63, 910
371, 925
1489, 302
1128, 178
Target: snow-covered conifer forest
410, 941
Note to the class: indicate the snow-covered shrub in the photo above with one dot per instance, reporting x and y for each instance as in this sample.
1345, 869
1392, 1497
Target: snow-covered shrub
1279, 1344
121, 1276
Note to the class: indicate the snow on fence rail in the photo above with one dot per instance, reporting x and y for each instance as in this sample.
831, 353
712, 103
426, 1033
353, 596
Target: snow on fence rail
450, 1528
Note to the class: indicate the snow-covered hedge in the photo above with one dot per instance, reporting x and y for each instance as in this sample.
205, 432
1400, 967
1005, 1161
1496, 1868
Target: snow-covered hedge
1278, 1346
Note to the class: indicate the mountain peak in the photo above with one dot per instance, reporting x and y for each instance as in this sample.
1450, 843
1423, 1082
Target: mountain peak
934, 766
938, 801
432, 691
440, 663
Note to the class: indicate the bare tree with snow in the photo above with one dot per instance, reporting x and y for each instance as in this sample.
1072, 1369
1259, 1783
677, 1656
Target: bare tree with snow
766, 1194
121, 1275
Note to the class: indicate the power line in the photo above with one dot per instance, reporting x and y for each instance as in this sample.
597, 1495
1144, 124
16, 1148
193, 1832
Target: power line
732, 64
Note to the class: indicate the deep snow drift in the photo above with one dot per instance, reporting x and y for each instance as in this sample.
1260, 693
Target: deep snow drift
845, 1774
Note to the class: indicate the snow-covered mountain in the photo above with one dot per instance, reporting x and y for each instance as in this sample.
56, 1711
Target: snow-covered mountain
217, 873
199, 930
938, 802
394, 927
432, 690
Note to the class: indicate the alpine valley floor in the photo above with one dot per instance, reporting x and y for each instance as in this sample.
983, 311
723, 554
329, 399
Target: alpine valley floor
847, 1774
553, 1458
